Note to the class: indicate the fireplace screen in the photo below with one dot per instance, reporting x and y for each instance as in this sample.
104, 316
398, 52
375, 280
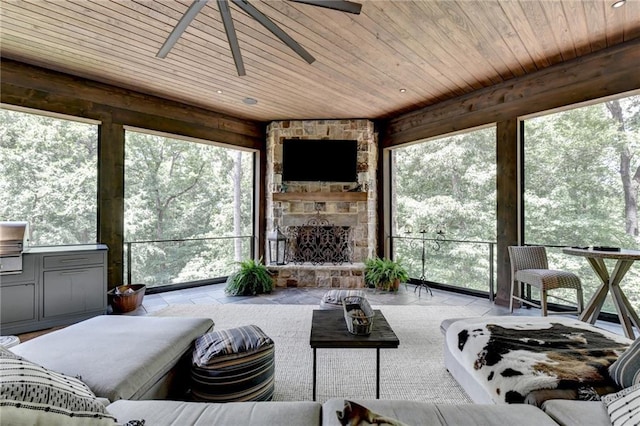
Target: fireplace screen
321, 243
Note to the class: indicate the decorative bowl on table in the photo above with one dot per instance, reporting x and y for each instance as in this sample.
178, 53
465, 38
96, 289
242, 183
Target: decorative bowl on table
358, 315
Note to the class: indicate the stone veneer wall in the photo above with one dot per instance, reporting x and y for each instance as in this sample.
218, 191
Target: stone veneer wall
360, 215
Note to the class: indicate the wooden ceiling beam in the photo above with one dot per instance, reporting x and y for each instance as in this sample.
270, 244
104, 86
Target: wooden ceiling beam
43, 89
604, 73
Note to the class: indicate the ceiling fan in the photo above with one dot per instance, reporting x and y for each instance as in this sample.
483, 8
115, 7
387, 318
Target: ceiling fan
225, 13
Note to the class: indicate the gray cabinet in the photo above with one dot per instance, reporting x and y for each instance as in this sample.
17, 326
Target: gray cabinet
71, 291
19, 298
17, 304
58, 286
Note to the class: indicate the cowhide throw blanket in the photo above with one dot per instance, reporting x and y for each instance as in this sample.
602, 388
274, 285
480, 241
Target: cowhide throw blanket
513, 356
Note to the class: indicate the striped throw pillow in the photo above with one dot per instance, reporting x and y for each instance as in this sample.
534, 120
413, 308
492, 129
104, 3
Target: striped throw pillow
625, 371
230, 343
624, 407
31, 394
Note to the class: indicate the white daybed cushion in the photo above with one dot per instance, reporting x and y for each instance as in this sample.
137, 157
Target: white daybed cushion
118, 357
473, 379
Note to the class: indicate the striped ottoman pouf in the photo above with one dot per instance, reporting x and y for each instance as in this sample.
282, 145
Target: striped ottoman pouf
237, 364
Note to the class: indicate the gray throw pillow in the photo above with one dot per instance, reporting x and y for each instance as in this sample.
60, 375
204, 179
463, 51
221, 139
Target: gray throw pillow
625, 371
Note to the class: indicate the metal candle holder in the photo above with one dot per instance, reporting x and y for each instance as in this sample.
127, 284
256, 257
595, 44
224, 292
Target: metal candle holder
435, 246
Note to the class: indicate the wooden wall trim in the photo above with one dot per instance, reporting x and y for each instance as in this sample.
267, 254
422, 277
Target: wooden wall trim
39, 88
604, 73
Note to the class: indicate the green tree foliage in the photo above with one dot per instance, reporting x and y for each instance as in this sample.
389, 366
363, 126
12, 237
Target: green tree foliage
177, 190
48, 177
573, 194
575, 188
451, 182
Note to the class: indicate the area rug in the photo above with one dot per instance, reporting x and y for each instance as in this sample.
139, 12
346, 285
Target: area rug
414, 371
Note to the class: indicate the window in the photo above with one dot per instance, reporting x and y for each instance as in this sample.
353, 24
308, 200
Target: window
581, 178
48, 177
188, 209
450, 183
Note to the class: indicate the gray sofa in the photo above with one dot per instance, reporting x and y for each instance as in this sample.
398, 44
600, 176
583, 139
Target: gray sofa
137, 378
177, 413
305, 413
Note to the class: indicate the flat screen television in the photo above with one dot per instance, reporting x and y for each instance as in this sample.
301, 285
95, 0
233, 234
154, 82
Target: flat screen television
325, 160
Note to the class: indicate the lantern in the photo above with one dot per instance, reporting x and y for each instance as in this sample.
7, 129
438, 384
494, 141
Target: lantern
277, 247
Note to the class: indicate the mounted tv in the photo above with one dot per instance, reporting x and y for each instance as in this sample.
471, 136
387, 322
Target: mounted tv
325, 160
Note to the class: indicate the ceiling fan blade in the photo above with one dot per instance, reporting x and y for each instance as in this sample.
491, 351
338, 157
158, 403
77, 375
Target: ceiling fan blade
341, 5
182, 25
225, 13
276, 30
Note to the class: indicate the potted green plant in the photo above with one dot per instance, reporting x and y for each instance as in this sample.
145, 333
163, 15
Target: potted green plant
384, 274
250, 279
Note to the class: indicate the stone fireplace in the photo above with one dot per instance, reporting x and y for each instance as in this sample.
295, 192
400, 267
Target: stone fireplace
296, 205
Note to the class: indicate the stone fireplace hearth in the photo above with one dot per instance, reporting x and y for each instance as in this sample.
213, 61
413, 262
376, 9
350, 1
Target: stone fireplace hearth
352, 205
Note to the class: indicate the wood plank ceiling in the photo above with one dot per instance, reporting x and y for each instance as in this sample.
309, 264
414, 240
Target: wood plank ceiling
436, 50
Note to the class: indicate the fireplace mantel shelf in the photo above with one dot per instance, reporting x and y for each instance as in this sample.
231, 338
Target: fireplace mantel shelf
320, 196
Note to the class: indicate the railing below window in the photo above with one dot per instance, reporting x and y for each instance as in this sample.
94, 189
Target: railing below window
470, 266
464, 264
157, 263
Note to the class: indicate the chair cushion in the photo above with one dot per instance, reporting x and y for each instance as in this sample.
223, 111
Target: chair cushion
625, 371
118, 357
31, 394
548, 278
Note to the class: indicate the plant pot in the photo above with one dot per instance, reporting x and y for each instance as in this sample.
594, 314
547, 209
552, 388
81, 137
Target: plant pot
122, 300
395, 285
389, 285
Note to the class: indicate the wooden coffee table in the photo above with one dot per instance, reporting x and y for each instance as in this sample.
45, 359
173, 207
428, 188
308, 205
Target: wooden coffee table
329, 331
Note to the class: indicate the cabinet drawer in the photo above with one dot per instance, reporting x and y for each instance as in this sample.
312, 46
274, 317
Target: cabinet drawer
17, 303
71, 260
28, 272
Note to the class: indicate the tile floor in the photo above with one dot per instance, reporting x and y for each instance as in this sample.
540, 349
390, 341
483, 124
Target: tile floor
214, 294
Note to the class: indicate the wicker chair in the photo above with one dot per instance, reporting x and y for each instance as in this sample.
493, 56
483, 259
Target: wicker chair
529, 266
